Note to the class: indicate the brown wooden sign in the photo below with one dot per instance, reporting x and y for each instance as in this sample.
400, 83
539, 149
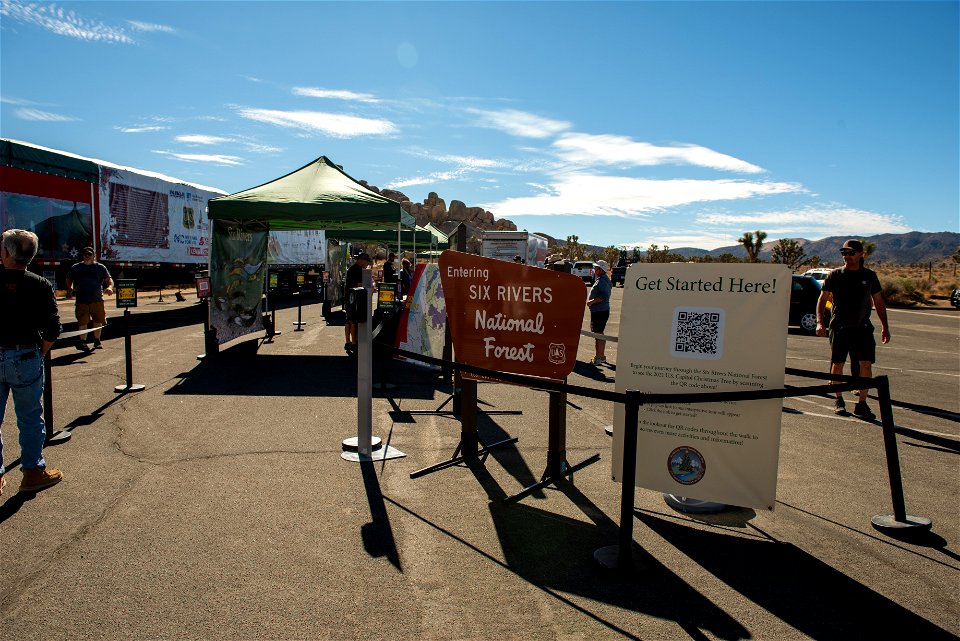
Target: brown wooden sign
510, 317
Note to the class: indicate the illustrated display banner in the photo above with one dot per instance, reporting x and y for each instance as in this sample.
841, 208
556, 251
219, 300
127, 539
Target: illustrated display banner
298, 247
149, 219
424, 319
238, 267
689, 328
510, 317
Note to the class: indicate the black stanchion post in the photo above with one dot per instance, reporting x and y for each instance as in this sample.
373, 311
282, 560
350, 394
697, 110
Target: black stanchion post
52, 437
899, 521
128, 357
621, 556
469, 441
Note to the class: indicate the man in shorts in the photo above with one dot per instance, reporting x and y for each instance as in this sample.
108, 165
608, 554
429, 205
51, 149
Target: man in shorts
354, 279
854, 290
89, 281
599, 304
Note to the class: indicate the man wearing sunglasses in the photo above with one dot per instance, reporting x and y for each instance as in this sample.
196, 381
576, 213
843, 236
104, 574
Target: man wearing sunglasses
854, 291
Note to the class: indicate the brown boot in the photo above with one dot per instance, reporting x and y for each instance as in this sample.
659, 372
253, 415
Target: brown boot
40, 479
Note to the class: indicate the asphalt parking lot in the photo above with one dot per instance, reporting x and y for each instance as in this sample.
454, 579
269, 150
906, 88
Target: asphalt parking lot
215, 504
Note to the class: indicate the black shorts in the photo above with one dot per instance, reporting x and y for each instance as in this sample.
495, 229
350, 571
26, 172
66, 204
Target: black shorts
857, 342
598, 321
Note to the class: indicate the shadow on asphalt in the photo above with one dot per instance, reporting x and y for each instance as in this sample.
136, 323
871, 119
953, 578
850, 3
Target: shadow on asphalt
377, 535
793, 585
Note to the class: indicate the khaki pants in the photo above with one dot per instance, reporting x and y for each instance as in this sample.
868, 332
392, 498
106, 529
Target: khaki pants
87, 312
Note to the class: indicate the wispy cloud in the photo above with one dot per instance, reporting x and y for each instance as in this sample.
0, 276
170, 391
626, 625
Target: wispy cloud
143, 129
592, 195
150, 27
215, 159
519, 123
15, 101
202, 139
63, 22
335, 125
43, 116
337, 94
815, 220
593, 150
463, 165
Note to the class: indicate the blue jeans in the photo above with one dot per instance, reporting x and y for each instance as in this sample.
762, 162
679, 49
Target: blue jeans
21, 371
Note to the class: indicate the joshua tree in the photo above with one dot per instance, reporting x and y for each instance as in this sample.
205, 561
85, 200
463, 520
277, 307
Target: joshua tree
789, 252
753, 246
573, 248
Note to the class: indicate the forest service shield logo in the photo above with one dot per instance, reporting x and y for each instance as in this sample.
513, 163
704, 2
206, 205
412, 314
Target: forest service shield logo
557, 353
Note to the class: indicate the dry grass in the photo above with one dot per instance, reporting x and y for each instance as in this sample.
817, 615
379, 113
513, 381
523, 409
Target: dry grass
921, 284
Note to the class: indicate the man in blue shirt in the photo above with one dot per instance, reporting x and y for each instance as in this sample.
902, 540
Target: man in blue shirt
90, 281
599, 304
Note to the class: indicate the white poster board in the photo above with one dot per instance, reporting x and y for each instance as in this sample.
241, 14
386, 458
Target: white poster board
688, 328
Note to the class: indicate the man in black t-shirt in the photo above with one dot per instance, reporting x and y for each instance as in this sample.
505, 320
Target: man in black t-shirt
854, 290
28, 327
354, 279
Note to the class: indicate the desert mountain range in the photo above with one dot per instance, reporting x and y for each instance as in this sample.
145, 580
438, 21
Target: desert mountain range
901, 249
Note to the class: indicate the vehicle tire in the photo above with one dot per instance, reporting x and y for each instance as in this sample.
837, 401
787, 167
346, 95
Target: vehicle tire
808, 322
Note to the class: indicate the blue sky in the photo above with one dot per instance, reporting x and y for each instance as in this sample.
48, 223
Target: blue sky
677, 123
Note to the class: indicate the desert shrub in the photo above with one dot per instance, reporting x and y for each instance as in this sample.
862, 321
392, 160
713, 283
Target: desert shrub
904, 291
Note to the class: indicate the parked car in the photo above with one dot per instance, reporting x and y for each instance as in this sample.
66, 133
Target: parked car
619, 272
955, 298
819, 273
584, 269
803, 303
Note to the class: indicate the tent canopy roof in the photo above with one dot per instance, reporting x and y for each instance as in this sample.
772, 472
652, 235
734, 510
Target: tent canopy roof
424, 239
23, 155
317, 196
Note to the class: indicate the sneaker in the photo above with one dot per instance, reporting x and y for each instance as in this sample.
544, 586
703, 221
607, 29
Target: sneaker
861, 410
598, 360
83, 347
347, 347
97, 345
40, 479
840, 408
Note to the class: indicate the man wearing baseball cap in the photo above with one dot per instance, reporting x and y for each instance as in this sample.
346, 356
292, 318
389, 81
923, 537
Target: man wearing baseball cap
354, 279
90, 280
854, 290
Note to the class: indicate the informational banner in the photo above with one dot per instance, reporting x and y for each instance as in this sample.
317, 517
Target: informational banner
688, 328
510, 317
238, 268
147, 217
299, 247
423, 323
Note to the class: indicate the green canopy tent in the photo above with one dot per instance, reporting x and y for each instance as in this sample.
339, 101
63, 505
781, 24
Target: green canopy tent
317, 196
421, 239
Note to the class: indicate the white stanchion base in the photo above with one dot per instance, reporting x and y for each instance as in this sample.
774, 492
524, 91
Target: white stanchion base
609, 430
58, 437
609, 557
889, 523
382, 454
693, 506
123, 389
352, 444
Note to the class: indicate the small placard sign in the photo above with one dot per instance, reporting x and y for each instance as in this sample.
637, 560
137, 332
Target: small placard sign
126, 293
387, 296
301, 279
203, 287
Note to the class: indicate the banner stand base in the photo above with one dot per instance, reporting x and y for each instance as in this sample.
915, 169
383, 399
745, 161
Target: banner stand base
693, 506
549, 478
460, 458
609, 557
889, 525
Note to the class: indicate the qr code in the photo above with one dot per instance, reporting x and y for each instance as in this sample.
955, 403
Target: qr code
698, 333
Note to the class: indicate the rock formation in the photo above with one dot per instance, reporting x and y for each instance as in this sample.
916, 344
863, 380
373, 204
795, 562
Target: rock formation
434, 210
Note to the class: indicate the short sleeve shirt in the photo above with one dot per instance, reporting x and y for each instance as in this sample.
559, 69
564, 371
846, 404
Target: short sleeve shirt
602, 288
853, 291
88, 281
354, 276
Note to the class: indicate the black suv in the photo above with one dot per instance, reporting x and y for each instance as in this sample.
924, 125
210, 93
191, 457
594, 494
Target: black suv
803, 303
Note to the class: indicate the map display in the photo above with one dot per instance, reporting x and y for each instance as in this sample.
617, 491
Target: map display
423, 324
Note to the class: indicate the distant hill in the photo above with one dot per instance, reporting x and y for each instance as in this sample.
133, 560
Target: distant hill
899, 249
